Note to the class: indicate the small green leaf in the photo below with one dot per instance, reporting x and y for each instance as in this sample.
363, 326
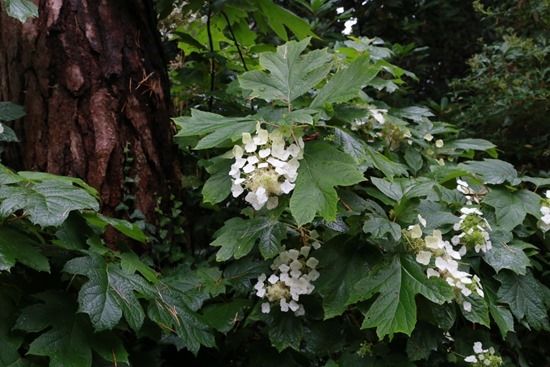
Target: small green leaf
501, 314
238, 236
280, 18
129, 229
216, 130
480, 310
218, 185
321, 170
380, 227
18, 247
223, 316
10, 111
21, 10
347, 83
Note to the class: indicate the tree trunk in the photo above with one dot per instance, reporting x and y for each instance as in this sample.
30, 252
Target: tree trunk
93, 81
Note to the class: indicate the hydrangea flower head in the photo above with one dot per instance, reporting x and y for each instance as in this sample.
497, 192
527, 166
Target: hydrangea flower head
265, 167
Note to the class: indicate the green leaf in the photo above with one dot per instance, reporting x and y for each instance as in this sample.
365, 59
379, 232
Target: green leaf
524, 294
223, 316
9, 341
10, 111
109, 292
285, 331
480, 310
470, 144
511, 207
238, 236
280, 18
46, 203
398, 282
393, 190
321, 170
18, 247
21, 10
68, 339
131, 263
506, 256
170, 311
290, 73
493, 171
388, 167
380, 227
424, 339
129, 229
216, 129
501, 314
347, 83
341, 265
218, 185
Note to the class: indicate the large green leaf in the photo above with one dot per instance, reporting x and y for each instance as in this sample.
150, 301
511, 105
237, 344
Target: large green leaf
347, 83
525, 296
21, 10
18, 247
215, 129
511, 207
493, 171
109, 292
290, 73
67, 337
46, 203
398, 282
238, 236
321, 170
341, 265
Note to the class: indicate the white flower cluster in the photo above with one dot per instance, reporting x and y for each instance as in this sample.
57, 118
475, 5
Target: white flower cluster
544, 223
293, 274
445, 262
378, 114
265, 167
483, 357
474, 231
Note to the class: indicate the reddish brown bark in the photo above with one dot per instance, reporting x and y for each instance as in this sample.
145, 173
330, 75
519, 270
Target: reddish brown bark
92, 78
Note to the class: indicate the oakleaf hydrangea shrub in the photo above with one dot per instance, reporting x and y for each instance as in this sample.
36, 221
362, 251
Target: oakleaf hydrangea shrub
355, 232
428, 241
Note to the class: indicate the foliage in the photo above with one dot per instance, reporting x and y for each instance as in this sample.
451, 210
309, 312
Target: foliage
347, 257
504, 96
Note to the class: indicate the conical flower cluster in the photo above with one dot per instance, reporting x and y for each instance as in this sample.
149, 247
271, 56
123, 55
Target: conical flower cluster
474, 231
483, 357
265, 167
442, 261
293, 274
544, 223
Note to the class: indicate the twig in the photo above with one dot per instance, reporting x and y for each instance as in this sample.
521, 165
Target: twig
235, 40
212, 67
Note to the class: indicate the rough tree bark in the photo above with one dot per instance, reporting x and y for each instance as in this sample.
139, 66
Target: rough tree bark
93, 81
